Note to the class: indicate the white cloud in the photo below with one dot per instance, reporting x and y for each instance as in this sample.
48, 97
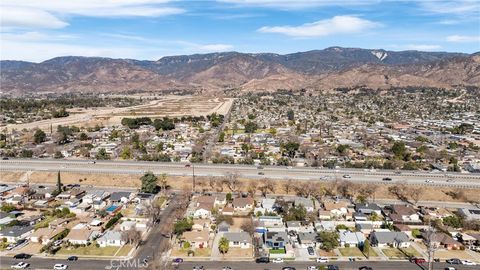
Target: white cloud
335, 25
299, 4
460, 38
215, 47
422, 47
32, 14
456, 7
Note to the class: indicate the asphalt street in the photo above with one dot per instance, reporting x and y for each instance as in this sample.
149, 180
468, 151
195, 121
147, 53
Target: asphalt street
460, 180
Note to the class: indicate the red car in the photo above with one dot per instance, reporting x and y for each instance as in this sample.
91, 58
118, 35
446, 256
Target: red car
418, 260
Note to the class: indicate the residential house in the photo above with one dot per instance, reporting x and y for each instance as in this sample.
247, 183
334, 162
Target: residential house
470, 213
120, 197
81, 236
243, 204
197, 239
336, 209
368, 208
306, 202
238, 239
404, 215
201, 224
294, 226
392, 239
307, 239
223, 227
352, 239
111, 239
15, 233
276, 240
44, 235
203, 210
441, 240
268, 204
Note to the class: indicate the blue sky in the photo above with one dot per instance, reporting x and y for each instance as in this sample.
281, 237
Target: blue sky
36, 30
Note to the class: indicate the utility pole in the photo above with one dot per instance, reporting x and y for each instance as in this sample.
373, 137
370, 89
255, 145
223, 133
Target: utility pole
431, 247
193, 177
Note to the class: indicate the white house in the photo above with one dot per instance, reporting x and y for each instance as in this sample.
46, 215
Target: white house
111, 239
238, 239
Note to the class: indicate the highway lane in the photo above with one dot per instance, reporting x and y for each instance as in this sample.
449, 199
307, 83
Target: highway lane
460, 180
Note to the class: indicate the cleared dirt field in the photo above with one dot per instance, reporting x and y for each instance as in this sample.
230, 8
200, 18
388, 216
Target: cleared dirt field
171, 106
180, 183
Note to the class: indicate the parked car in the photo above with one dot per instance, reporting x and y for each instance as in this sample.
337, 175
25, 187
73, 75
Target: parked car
58, 242
20, 265
450, 268
277, 260
332, 267
227, 268
365, 268
23, 256
468, 262
72, 258
311, 251
60, 266
288, 268
322, 260
312, 268
198, 267
262, 260
454, 261
417, 260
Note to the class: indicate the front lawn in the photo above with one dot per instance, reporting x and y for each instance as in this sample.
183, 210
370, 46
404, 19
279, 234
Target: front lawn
44, 223
352, 252
400, 253
90, 250
277, 251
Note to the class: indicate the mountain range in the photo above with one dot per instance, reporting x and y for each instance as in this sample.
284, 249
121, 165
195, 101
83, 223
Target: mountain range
330, 68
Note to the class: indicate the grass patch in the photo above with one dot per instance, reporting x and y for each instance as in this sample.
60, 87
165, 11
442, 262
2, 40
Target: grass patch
277, 251
44, 223
351, 252
124, 250
400, 253
90, 250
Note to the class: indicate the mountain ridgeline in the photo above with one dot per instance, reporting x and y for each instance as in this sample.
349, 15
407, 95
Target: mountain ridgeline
326, 69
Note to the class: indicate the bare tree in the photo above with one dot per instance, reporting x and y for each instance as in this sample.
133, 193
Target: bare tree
212, 183
232, 182
288, 185
153, 211
416, 193
318, 191
252, 187
267, 186
399, 190
131, 236
163, 182
368, 190
344, 188
248, 226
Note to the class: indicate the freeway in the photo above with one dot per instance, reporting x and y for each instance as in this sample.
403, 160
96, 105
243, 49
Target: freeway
459, 180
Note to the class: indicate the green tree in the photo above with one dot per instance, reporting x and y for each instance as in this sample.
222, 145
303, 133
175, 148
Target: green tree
250, 127
59, 183
399, 149
39, 136
229, 197
149, 182
290, 115
182, 226
328, 240
102, 154
221, 137
83, 136
290, 148
126, 153
223, 245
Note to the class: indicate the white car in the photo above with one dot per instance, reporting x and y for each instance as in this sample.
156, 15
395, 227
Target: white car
322, 260
20, 265
346, 176
277, 260
312, 268
428, 181
468, 262
60, 266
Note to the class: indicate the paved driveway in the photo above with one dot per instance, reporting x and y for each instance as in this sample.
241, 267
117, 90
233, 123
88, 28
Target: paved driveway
301, 254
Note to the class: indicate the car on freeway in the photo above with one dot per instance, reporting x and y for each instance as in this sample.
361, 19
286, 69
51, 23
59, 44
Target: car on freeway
450, 180
198, 267
365, 268
72, 258
4, 158
288, 268
262, 260
23, 256
454, 261
261, 173
260, 167
312, 267
60, 266
277, 260
429, 181
346, 176
387, 179
322, 260
332, 267
188, 165
311, 251
20, 265
468, 262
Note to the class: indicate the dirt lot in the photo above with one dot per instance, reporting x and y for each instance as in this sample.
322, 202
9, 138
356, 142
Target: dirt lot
180, 183
171, 106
